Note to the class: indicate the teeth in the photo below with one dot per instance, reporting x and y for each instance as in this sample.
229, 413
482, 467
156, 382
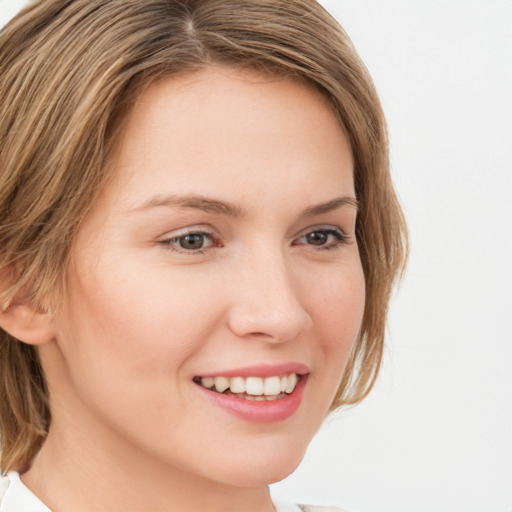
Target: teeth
221, 384
272, 386
209, 382
237, 385
259, 398
292, 382
256, 388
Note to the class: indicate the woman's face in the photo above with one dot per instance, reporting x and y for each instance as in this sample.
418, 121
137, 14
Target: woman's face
223, 253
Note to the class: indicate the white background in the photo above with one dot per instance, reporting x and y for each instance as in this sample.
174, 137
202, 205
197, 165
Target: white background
436, 433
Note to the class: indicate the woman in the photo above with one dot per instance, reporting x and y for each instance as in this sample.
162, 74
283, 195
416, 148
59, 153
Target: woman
199, 237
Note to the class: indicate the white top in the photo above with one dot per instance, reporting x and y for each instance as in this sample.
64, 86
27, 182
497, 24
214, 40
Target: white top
15, 497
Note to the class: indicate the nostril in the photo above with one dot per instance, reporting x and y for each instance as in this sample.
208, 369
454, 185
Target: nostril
261, 334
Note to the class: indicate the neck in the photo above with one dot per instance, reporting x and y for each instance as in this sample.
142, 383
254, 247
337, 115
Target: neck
79, 474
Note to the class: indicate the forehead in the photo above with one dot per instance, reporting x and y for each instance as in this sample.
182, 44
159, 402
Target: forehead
223, 131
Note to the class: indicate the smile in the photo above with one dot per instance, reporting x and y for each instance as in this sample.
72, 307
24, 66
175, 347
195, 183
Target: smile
251, 388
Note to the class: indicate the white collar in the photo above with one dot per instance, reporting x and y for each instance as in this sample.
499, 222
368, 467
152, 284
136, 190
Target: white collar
18, 497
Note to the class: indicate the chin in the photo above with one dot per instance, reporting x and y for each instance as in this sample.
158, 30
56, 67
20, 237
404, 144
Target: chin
263, 471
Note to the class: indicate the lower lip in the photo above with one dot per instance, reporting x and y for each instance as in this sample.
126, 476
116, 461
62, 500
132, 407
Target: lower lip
259, 411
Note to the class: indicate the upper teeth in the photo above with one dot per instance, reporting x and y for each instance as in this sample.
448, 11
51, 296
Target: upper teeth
252, 385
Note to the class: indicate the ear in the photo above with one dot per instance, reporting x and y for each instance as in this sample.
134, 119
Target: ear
27, 324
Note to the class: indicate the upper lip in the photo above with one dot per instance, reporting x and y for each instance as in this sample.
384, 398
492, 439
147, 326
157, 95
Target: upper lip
263, 370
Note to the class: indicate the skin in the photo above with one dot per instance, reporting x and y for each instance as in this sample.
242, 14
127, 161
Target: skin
142, 316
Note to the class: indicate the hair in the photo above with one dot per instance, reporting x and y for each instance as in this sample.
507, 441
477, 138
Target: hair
69, 70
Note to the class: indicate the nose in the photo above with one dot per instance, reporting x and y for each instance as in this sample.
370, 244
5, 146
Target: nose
266, 302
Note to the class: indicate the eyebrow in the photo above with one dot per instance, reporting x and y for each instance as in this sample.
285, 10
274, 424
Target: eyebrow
334, 204
211, 205
198, 202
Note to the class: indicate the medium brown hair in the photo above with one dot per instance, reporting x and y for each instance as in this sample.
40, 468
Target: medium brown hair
69, 70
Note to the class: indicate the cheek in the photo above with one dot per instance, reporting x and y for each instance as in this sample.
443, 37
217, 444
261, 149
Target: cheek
126, 334
142, 306
337, 310
338, 307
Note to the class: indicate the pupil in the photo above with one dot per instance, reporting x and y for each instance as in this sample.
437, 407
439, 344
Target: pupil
317, 238
191, 241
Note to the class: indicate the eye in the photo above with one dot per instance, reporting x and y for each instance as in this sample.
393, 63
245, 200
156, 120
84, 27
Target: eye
192, 242
323, 238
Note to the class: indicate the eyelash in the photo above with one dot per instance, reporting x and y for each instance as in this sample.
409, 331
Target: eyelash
174, 243
339, 236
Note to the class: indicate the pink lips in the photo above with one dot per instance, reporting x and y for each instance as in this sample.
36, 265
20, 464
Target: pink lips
263, 370
260, 411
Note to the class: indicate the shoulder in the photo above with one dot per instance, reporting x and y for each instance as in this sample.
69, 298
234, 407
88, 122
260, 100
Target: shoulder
289, 507
4, 484
311, 508
15, 497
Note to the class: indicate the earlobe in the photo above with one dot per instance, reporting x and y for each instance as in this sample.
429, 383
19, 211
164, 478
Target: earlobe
27, 324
